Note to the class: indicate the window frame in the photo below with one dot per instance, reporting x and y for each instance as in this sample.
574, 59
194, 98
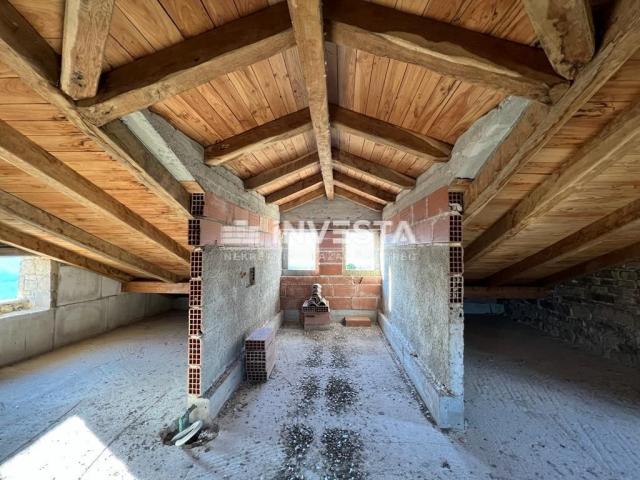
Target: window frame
286, 250
376, 254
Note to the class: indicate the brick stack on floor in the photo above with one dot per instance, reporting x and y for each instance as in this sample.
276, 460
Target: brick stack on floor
315, 310
357, 321
260, 354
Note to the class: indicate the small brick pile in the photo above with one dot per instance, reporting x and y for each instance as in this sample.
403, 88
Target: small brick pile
260, 354
316, 310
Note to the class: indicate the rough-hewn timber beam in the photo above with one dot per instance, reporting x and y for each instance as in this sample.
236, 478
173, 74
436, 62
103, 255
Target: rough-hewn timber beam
343, 160
190, 63
565, 31
363, 188
282, 172
505, 292
156, 287
457, 52
257, 138
24, 154
306, 198
37, 64
538, 124
303, 186
584, 238
86, 28
26, 213
359, 199
306, 17
388, 134
37, 246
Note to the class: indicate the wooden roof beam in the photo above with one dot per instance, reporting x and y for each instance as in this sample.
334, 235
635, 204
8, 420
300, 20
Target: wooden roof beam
579, 241
516, 291
363, 188
289, 169
565, 31
306, 17
140, 286
388, 134
538, 124
295, 189
257, 138
589, 161
343, 160
29, 157
17, 209
38, 65
306, 198
86, 28
474, 57
34, 245
190, 63
359, 199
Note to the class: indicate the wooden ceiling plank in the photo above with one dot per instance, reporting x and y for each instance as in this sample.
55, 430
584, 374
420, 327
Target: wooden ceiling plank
584, 238
588, 162
383, 133
258, 138
86, 28
282, 172
188, 64
565, 31
176, 288
303, 186
505, 292
376, 170
538, 124
18, 209
307, 20
306, 198
37, 65
477, 58
37, 246
360, 200
24, 154
347, 182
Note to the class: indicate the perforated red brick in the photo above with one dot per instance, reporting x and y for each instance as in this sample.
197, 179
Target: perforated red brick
456, 287
194, 349
193, 232
456, 201
193, 380
195, 321
456, 265
455, 228
195, 293
196, 263
197, 204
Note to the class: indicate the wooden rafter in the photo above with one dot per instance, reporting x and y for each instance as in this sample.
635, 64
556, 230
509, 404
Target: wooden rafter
306, 17
345, 160
289, 169
359, 199
505, 292
191, 63
362, 188
388, 134
447, 49
589, 161
24, 154
140, 286
538, 124
565, 31
295, 189
579, 241
86, 28
19, 210
37, 246
37, 64
258, 138
306, 198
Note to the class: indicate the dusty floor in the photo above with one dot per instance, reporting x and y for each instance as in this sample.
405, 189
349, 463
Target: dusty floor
336, 407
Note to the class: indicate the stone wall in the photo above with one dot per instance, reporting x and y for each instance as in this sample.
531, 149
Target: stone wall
599, 313
37, 281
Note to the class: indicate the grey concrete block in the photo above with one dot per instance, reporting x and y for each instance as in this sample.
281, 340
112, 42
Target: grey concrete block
77, 285
25, 334
110, 287
157, 304
125, 309
78, 321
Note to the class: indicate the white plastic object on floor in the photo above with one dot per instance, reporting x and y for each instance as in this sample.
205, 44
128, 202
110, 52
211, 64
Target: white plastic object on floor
187, 434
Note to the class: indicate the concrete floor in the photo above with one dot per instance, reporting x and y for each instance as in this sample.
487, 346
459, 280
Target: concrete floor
535, 409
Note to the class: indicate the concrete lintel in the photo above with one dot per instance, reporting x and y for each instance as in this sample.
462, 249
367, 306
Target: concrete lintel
446, 409
469, 154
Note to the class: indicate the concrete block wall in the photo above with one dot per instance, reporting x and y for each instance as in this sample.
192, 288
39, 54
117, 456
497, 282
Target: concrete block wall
422, 312
599, 313
82, 304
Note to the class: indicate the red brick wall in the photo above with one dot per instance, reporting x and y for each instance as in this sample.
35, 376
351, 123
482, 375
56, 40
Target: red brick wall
344, 292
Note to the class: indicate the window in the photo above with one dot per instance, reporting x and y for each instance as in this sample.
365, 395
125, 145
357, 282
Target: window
9, 277
302, 250
360, 250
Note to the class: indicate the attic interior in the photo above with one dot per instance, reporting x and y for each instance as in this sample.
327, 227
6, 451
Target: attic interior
337, 239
